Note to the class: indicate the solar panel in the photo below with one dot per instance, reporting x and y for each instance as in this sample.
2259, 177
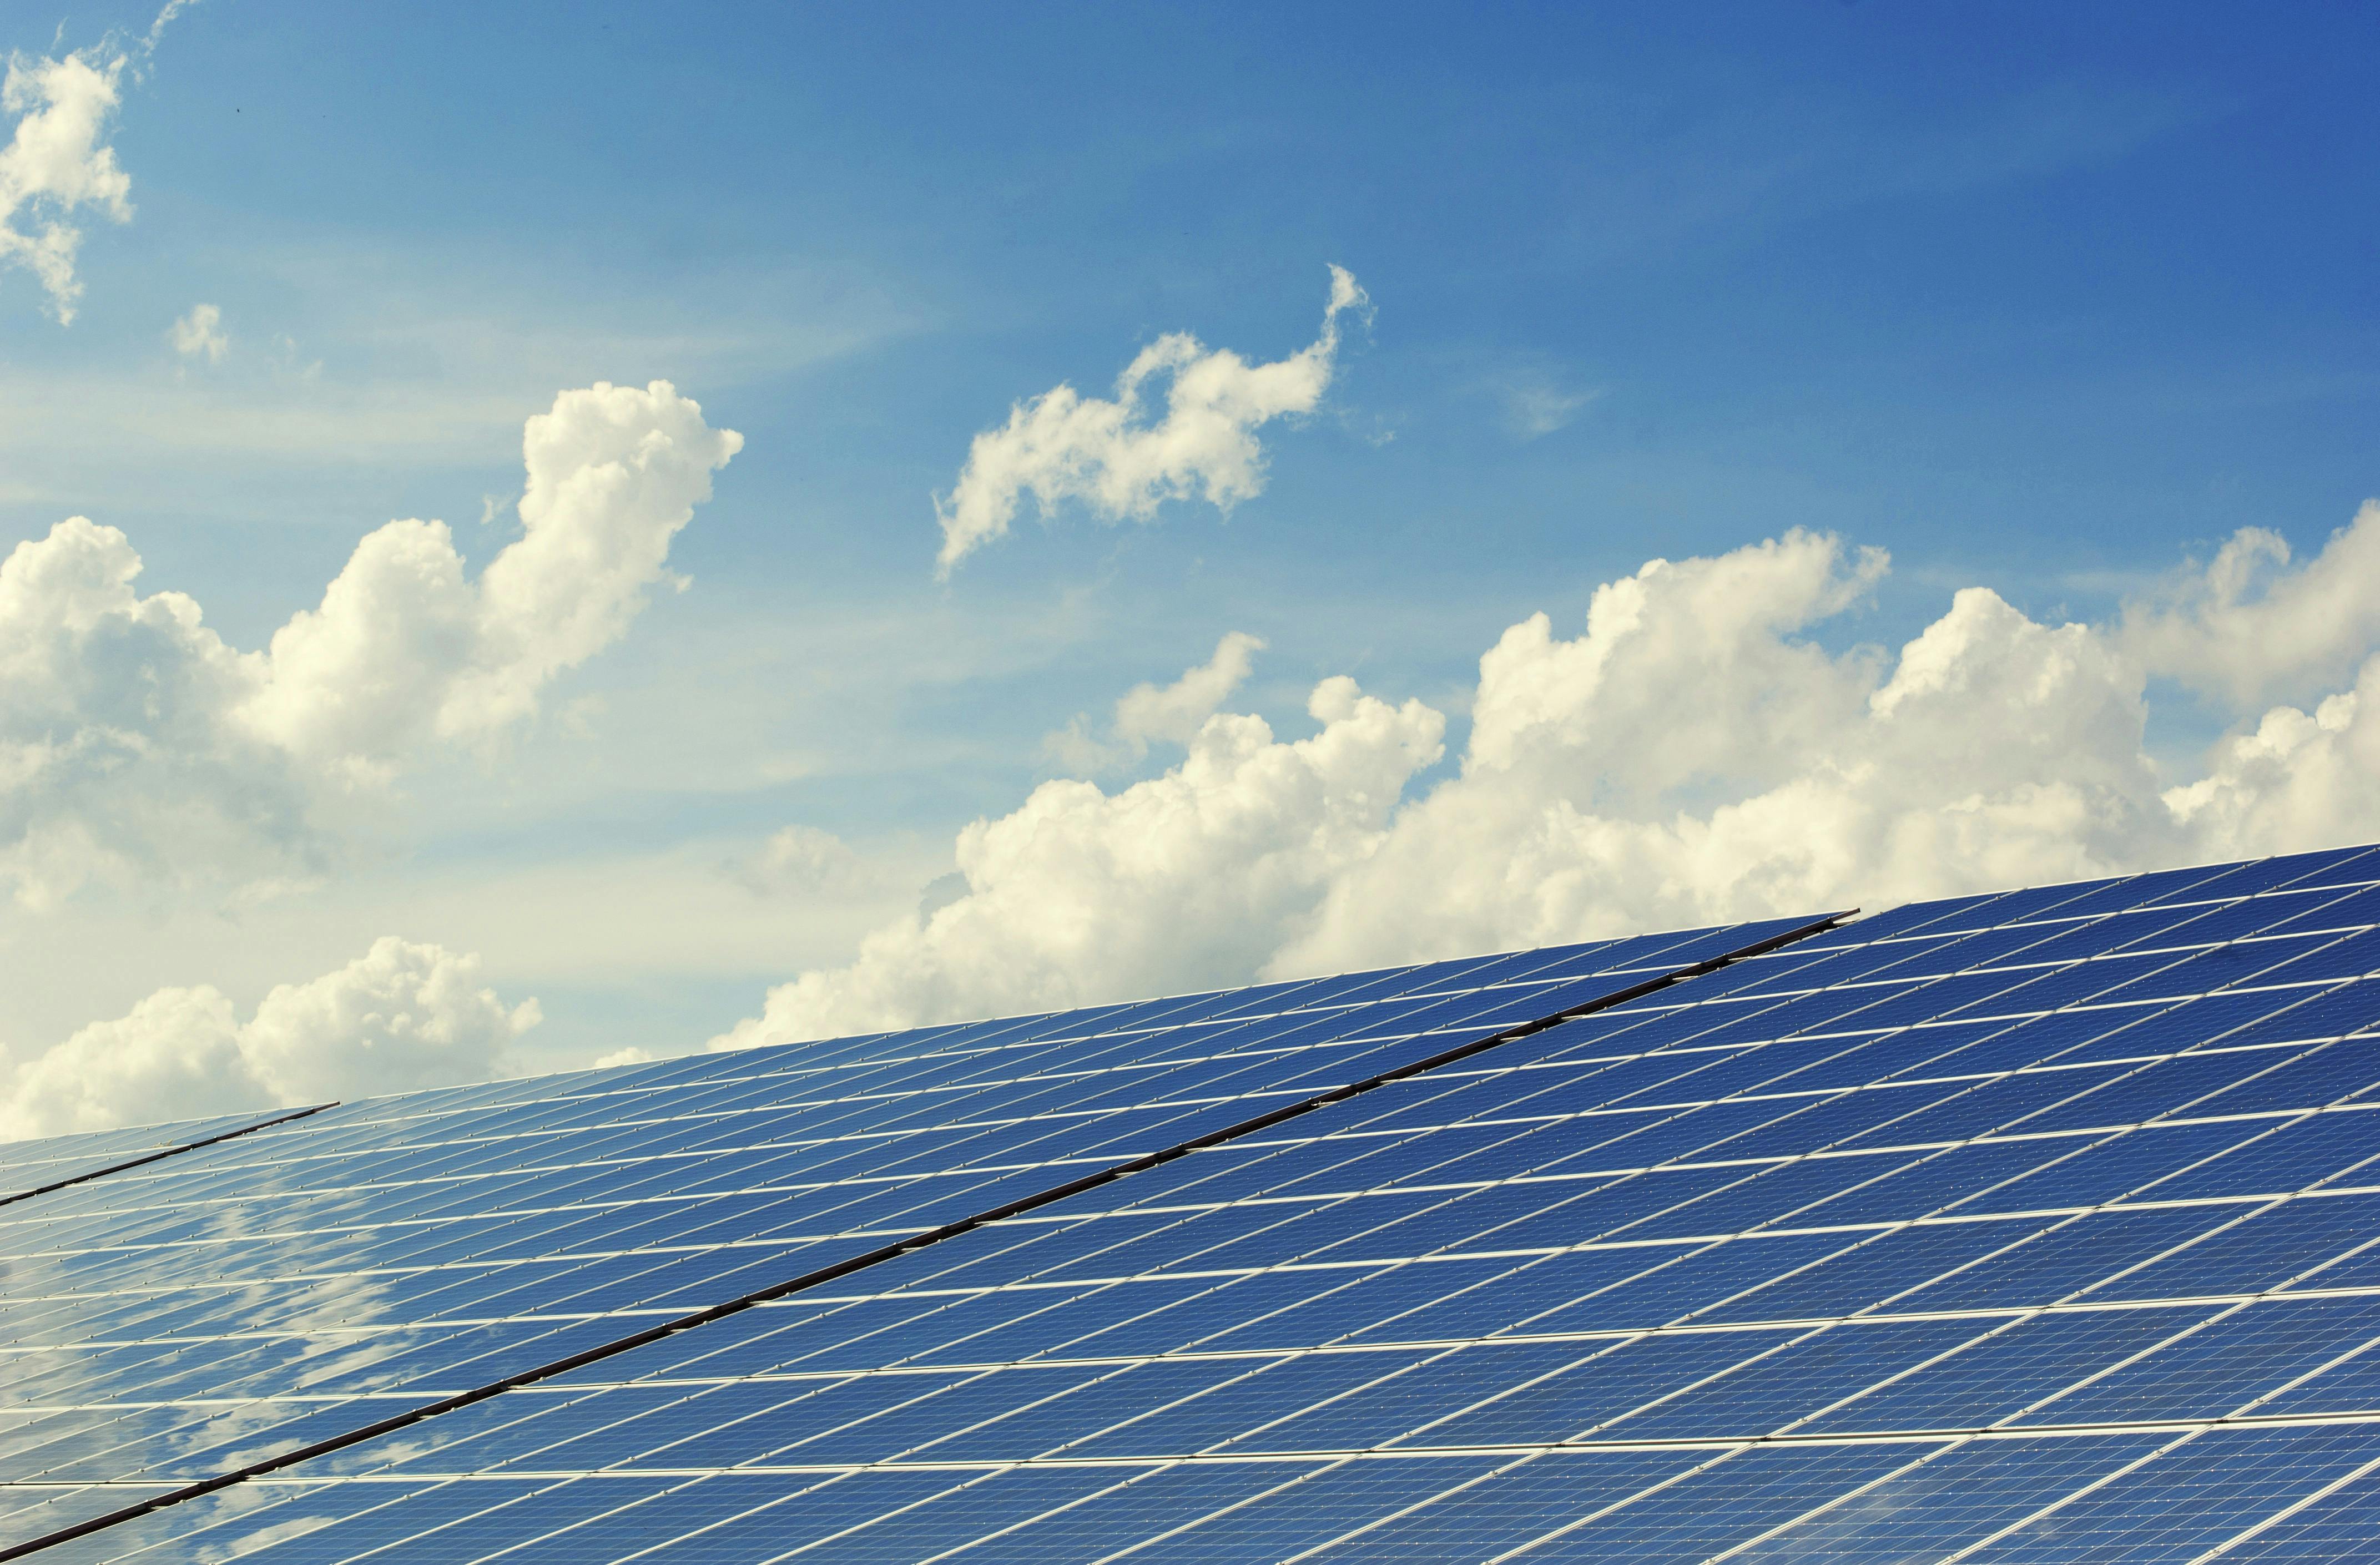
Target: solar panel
36, 1168
2038, 1227
184, 1319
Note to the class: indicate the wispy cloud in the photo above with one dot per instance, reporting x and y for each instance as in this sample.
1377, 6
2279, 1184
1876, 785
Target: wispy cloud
199, 335
1536, 403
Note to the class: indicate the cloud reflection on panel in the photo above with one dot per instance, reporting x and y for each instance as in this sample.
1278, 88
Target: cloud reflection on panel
1692, 755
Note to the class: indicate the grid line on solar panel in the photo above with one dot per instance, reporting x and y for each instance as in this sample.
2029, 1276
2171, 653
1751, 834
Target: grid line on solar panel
1506, 1451
1304, 1104
417, 1147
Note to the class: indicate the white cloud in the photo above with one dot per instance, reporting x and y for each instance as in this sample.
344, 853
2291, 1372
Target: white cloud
2295, 778
1185, 879
199, 335
1692, 754
399, 1016
171, 9
57, 163
1992, 751
2246, 628
1061, 445
135, 742
1152, 713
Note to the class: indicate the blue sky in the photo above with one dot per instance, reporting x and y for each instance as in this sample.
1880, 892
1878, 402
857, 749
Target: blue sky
2044, 299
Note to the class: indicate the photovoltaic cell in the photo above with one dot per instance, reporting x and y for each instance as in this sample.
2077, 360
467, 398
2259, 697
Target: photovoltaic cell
2037, 1227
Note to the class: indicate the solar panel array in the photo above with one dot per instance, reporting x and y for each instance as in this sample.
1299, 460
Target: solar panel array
2029, 1228
198, 1314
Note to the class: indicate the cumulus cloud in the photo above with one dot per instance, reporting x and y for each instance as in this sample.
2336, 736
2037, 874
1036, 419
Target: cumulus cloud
1693, 753
134, 741
1992, 751
400, 1016
58, 164
199, 335
1154, 713
2245, 627
1179, 880
1111, 457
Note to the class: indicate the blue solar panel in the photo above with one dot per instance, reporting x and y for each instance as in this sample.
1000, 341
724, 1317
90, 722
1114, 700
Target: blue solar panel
183, 1320
36, 1168
2035, 1227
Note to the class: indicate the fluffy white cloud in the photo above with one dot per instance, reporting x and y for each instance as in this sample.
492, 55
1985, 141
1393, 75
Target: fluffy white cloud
199, 335
1183, 879
57, 163
1992, 751
1061, 445
1692, 754
2246, 628
2296, 778
399, 1016
1147, 714
134, 741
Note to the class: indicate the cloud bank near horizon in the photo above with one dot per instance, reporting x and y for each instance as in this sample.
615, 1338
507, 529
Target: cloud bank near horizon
401, 1016
1690, 756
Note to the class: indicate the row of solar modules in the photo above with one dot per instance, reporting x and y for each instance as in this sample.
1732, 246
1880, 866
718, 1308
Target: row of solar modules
2029, 1228
251, 1298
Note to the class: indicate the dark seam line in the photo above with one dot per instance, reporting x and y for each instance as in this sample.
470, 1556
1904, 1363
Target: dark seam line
167, 1152
916, 1241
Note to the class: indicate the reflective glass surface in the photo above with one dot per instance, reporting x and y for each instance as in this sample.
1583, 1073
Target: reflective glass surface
2037, 1227
28, 1168
229, 1303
